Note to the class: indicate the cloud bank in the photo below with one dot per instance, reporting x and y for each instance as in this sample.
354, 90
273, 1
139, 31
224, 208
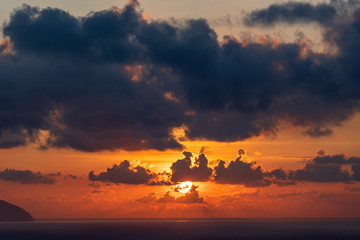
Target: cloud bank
241, 171
112, 80
27, 177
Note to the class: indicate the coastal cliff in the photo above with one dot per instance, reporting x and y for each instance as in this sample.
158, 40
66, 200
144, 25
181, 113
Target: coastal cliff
13, 213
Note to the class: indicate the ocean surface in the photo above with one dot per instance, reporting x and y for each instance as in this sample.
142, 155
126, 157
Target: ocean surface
184, 229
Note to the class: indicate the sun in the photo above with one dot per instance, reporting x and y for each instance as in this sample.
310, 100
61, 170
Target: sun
184, 187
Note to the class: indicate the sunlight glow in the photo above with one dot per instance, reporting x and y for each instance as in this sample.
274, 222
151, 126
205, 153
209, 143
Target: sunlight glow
184, 187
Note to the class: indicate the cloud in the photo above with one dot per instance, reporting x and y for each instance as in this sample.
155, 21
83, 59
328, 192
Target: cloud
102, 81
182, 169
328, 168
82, 106
291, 12
11, 139
151, 197
100, 36
317, 132
279, 174
321, 152
190, 197
321, 173
321, 168
327, 159
129, 174
241, 172
71, 176
356, 172
27, 177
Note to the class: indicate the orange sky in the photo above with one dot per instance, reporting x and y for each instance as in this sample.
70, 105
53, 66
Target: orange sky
72, 195
77, 199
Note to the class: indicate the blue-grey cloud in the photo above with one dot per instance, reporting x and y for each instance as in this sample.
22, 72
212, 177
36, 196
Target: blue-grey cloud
291, 12
111, 80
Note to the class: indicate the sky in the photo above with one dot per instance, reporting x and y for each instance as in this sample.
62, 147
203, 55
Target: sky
138, 109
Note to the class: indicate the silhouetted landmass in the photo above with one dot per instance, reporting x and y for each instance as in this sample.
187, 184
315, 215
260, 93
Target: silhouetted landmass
13, 213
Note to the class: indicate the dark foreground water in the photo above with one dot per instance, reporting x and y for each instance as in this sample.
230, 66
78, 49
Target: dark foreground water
185, 229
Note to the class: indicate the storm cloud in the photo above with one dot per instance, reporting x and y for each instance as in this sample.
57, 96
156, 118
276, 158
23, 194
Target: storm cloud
112, 80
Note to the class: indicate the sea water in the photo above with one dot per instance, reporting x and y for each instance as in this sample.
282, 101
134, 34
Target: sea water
184, 229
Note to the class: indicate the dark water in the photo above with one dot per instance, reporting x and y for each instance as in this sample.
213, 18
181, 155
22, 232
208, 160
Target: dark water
185, 229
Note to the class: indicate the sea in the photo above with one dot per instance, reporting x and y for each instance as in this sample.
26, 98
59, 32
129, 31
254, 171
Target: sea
182, 229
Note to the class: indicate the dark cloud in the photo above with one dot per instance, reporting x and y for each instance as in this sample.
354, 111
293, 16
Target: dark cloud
241, 172
11, 139
11, 144
336, 159
291, 12
321, 152
162, 178
279, 174
128, 174
356, 172
328, 168
318, 132
100, 36
182, 169
203, 149
27, 177
89, 107
111, 80
280, 177
328, 159
321, 173
321, 168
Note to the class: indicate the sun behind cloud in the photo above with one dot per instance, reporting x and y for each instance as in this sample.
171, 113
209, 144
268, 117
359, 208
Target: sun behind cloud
184, 187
